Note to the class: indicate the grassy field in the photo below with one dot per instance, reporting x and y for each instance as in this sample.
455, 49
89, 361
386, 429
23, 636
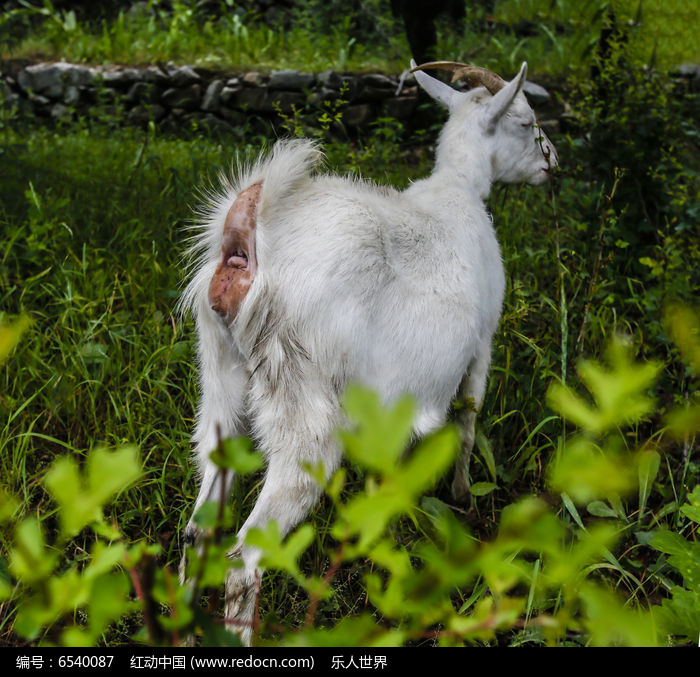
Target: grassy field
93, 216
557, 38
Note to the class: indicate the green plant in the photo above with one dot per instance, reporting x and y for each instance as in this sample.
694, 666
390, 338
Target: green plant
412, 593
636, 127
680, 615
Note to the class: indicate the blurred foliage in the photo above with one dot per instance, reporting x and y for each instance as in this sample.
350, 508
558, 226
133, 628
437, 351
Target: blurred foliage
534, 574
638, 126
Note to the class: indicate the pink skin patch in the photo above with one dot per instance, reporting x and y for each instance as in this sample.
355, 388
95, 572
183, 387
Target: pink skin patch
238, 265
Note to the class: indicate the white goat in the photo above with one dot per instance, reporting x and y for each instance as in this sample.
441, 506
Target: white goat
307, 282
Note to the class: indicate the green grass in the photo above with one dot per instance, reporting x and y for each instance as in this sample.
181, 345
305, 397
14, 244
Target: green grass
560, 39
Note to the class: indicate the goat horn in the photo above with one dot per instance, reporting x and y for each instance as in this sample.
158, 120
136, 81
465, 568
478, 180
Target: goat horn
474, 76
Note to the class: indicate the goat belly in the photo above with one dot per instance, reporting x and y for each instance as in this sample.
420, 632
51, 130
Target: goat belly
236, 269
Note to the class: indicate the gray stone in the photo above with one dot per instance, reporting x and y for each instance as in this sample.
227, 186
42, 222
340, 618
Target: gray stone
400, 107
691, 73
8, 98
536, 94
50, 79
71, 96
284, 101
182, 97
40, 101
233, 83
324, 95
59, 112
121, 78
227, 95
375, 95
55, 91
358, 115
210, 102
12, 100
81, 76
330, 79
254, 79
377, 87
103, 95
23, 80
291, 80
215, 125
144, 114
39, 79
253, 98
143, 92
689, 70
378, 81
181, 76
156, 76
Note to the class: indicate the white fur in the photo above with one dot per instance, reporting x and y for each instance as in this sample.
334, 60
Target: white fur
401, 291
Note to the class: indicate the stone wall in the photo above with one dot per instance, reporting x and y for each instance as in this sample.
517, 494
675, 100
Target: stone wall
219, 101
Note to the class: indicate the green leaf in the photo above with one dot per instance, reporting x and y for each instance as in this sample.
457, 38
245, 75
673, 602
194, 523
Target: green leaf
680, 615
209, 569
568, 504
482, 488
430, 460
620, 391
484, 447
601, 509
278, 555
8, 505
207, 515
10, 336
109, 601
381, 433
215, 634
30, 559
235, 454
647, 469
354, 631
684, 421
684, 325
5, 580
684, 556
81, 499
586, 472
611, 623
692, 510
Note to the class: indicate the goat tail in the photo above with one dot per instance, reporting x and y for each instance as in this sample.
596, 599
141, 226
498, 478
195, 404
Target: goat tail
281, 171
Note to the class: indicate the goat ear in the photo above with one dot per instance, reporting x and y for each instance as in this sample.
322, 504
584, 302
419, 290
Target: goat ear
435, 88
502, 100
